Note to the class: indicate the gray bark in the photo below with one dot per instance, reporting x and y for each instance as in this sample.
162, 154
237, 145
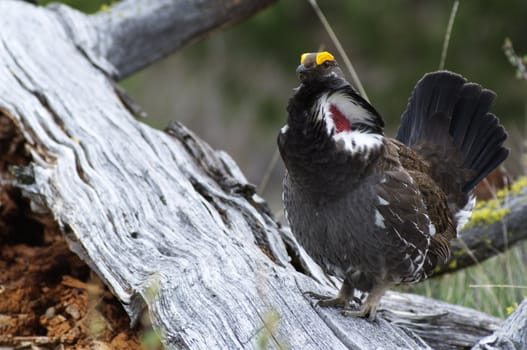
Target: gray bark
511, 335
165, 220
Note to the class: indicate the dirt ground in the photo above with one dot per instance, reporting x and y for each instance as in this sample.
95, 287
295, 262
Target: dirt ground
49, 298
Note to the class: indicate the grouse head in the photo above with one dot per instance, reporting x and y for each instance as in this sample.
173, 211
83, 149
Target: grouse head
317, 66
327, 107
330, 127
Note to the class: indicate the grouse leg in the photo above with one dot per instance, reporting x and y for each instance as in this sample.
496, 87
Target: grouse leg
369, 308
342, 299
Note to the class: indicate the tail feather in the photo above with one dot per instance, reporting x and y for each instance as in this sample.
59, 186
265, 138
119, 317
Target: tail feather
491, 163
433, 94
447, 111
473, 102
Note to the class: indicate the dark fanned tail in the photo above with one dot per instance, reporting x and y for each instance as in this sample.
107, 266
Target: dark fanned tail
447, 122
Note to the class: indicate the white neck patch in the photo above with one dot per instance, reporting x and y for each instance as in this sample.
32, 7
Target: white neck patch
353, 141
356, 141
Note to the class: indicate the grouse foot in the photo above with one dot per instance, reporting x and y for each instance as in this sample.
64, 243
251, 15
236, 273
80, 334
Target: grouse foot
366, 311
369, 308
341, 300
326, 300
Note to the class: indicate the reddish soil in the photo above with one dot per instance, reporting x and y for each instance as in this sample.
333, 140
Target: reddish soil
49, 298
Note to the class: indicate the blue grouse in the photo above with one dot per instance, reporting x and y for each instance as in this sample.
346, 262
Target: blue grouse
373, 210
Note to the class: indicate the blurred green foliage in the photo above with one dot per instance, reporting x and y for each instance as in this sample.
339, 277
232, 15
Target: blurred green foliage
393, 43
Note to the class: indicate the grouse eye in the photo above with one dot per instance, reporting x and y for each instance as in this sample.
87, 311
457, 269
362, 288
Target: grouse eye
327, 64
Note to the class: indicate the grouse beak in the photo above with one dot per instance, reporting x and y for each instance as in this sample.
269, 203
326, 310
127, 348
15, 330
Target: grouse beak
301, 71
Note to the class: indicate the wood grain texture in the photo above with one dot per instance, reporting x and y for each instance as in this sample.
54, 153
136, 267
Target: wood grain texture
169, 223
512, 335
441, 326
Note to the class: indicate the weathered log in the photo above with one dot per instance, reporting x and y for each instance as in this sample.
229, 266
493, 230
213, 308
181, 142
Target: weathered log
440, 326
165, 220
511, 335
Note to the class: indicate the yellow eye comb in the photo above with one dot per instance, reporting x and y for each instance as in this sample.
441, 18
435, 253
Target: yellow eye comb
323, 57
318, 57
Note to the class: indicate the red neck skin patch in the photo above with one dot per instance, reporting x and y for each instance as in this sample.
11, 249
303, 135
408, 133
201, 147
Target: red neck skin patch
341, 122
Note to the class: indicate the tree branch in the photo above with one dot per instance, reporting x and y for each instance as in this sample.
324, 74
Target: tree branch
132, 34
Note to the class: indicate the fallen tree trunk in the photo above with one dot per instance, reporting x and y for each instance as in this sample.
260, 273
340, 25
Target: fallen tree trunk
165, 220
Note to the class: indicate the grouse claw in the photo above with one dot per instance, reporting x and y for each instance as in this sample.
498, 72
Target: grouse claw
366, 311
328, 301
